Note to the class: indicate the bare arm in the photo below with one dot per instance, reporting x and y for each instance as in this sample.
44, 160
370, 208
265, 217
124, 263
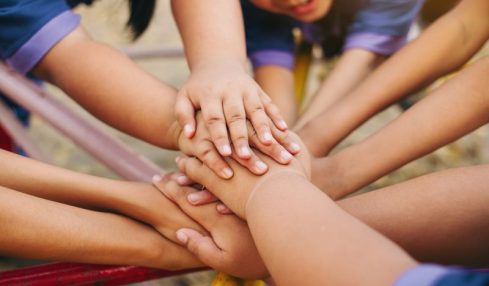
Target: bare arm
219, 85
137, 200
278, 83
113, 88
293, 223
353, 67
440, 217
442, 48
35, 228
453, 110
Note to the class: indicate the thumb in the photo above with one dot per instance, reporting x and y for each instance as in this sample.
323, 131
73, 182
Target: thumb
184, 111
203, 247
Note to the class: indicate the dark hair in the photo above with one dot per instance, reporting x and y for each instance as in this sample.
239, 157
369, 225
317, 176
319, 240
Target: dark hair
140, 14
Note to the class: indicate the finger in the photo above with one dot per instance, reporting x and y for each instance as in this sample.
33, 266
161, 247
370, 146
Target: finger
208, 154
274, 151
259, 119
216, 124
185, 113
273, 112
201, 198
203, 247
197, 172
254, 164
285, 138
236, 121
223, 209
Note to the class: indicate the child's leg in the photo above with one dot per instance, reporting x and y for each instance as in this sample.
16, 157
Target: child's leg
32, 227
441, 217
278, 83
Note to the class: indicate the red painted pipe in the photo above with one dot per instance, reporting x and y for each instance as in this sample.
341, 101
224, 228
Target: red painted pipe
75, 274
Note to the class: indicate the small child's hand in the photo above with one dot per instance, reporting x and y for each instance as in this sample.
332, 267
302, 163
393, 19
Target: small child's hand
201, 146
229, 248
227, 96
235, 192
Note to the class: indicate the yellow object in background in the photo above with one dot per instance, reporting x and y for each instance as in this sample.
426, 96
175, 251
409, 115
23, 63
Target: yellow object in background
223, 279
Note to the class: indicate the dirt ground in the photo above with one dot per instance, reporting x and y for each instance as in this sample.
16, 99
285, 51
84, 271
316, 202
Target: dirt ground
105, 22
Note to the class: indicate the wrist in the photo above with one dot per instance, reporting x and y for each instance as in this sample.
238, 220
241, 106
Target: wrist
269, 183
175, 131
217, 63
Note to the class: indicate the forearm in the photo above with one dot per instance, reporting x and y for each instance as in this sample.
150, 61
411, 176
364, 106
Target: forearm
443, 47
113, 88
453, 110
326, 235
211, 33
56, 184
278, 83
351, 69
441, 217
40, 229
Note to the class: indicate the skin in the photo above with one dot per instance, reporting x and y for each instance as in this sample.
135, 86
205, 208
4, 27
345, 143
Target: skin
148, 103
278, 82
444, 46
289, 8
453, 110
353, 66
219, 84
322, 228
86, 221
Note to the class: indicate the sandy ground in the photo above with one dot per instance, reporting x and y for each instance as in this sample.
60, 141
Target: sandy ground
105, 22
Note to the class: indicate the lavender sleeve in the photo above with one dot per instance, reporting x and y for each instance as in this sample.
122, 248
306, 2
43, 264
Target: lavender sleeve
424, 275
32, 51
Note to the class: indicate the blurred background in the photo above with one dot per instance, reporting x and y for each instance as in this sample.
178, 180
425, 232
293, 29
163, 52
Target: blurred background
105, 21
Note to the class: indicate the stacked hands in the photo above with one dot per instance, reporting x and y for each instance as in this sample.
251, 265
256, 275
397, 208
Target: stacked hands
234, 114
221, 238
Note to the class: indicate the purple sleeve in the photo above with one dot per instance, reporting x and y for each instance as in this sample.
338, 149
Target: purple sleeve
382, 26
424, 275
32, 51
377, 43
272, 57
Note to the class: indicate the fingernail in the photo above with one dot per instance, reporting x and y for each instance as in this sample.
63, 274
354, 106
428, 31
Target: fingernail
261, 166
193, 198
245, 151
226, 149
227, 172
177, 159
156, 178
283, 124
182, 236
221, 208
188, 129
285, 156
295, 147
267, 136
182, 180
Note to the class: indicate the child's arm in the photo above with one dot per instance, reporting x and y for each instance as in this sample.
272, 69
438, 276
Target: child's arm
278, 82
453, 110
440, 217
35, 228
303, 237
219, 85
443, 47
113, 88
116, 90
352, 69
137, 200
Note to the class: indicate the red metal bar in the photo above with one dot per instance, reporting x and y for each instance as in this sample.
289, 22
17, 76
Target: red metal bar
75, 274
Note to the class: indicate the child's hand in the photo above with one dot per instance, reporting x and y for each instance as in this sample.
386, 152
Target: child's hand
229, 248
201, 146
234, 193
227, 96
163, 214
